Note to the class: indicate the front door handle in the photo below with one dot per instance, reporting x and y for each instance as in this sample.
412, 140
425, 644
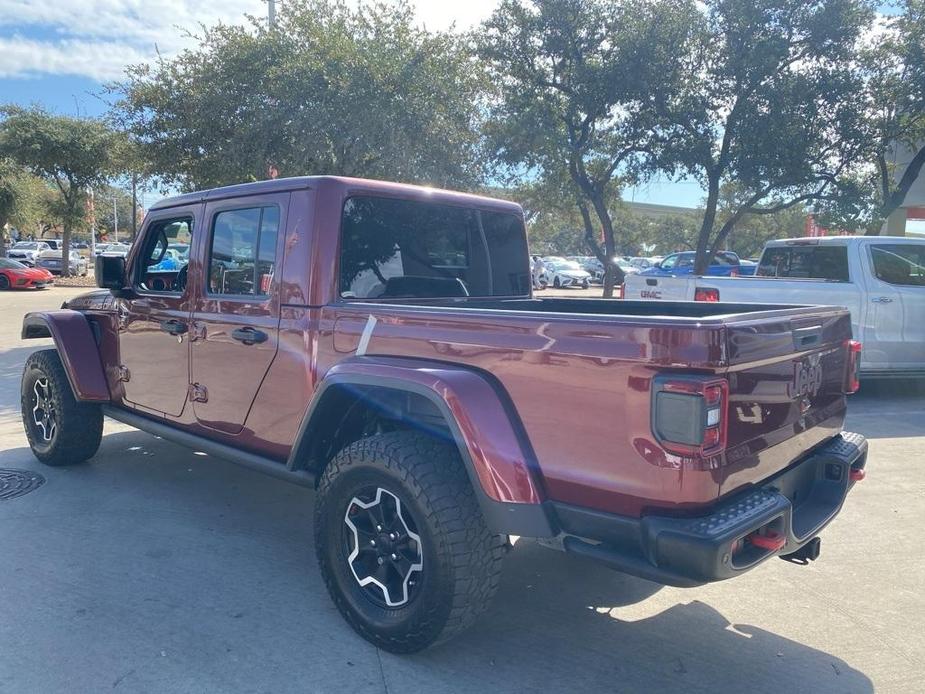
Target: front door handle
882, 300
173, 326
249, 336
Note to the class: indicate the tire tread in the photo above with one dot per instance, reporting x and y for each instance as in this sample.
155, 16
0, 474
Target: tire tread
432, 472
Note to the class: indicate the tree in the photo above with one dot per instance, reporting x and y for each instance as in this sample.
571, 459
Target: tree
330, 89
570, 75
892, 66
71, 153
26, 201
766, 103
9, 197
107, 220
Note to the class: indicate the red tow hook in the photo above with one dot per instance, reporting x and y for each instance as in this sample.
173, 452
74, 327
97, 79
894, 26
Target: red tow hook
857, 474
772, 542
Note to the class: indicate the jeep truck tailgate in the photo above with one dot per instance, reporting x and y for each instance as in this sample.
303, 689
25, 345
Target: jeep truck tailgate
787, 381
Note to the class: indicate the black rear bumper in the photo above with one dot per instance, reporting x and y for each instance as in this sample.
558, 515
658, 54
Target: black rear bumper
737, 535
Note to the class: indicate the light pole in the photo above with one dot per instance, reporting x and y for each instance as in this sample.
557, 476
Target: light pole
115, 221
271, 13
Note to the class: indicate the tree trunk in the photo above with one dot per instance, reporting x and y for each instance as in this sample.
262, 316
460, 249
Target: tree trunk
134, 206
701, 262
66, 250
613, 275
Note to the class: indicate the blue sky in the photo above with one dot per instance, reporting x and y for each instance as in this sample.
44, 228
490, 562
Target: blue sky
60, 53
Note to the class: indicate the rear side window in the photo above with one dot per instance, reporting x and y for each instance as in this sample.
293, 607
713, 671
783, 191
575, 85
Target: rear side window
805, 262
406, 249
902, 264
242, 253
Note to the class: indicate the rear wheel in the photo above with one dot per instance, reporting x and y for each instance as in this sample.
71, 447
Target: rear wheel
4, 282
60, 430
401, 542
555, 283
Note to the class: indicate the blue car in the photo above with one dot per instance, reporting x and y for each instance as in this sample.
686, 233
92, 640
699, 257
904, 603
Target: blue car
725, 264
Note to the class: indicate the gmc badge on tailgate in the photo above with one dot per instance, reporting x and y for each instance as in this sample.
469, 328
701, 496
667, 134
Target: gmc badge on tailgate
807, 377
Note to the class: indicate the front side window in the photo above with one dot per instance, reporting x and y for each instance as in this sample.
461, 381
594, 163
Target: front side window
242, 254
402, 249
901, 264
159, 270
805, 262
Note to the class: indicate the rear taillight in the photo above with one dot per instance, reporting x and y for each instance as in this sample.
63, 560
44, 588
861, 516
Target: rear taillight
853, 369
706, 294
689, 414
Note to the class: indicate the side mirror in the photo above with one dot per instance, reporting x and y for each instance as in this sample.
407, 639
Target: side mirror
110, 273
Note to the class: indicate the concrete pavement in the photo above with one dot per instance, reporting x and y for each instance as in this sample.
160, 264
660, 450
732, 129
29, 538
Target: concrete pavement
156, 569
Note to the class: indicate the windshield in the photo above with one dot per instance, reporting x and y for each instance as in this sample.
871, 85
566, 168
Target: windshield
7, 264
568, 265
26, 245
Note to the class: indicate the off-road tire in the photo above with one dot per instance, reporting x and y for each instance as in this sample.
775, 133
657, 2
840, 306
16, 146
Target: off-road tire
461, 557
79, 426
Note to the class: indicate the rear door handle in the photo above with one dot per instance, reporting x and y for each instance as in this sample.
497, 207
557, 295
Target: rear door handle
174, 327
882, 300
249, 336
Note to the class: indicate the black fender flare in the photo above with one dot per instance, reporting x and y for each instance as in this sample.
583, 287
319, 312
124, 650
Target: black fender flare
491, 442
77, 346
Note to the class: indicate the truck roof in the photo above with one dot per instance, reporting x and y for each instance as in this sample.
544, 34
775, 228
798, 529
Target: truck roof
842, 240
347, 186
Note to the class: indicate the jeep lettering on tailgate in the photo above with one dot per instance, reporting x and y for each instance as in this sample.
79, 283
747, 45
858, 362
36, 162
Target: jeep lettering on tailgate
807, 377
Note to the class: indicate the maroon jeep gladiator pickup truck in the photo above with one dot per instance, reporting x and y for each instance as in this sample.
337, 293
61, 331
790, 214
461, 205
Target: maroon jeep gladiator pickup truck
380, 343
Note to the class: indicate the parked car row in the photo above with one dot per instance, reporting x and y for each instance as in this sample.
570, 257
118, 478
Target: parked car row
572, 270
52, 261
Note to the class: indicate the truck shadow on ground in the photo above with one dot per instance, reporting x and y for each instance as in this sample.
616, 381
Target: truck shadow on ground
151, 548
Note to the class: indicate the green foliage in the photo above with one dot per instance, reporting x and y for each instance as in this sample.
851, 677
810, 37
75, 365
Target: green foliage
766, 104
892, 105
570, 76
331, 89
70, 153
27, 202
106, 219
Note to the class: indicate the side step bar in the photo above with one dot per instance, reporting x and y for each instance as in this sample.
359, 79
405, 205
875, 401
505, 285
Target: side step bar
219, 450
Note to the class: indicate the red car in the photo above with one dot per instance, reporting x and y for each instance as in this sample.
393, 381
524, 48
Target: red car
15, 275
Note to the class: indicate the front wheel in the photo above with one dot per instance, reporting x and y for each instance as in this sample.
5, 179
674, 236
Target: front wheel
4, 282
60, 430
402, 544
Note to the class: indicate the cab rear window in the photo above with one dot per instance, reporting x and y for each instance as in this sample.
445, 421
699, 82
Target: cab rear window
394, 249
805, 262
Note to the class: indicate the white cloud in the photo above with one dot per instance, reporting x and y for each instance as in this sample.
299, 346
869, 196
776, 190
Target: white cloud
100, 60
98, 38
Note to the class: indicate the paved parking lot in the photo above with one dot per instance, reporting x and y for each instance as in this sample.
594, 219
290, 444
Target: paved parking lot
154, 569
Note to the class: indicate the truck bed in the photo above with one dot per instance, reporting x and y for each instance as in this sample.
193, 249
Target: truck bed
585, 367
